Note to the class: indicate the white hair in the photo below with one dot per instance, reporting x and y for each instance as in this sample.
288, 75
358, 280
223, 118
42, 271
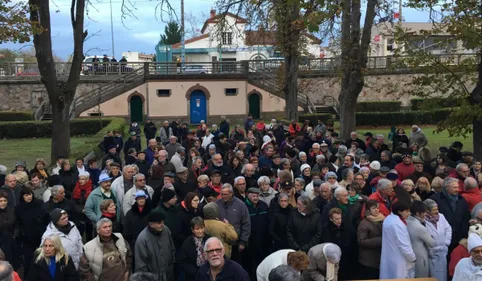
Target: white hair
243, 170
460, 166
339, 190
212, 239
237, 179
56, 189
263, 180
101, 222
228, 186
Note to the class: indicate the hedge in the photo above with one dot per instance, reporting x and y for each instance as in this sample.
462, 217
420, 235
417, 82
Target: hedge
416, 104
16, 116
116, 124
39, 129
401, 118
378, 106
315, 117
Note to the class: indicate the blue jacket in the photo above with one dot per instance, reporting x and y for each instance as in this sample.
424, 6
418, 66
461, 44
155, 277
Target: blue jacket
232, 271
224, 128
94, 175
149, 155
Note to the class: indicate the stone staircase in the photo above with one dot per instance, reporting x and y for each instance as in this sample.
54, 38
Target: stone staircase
329, 105
44, 111
107, 91
267, 82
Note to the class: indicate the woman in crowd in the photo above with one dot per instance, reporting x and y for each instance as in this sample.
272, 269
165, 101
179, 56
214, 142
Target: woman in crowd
441, 166
423, 189
304, 226
331, 179
68, 178
192, 255
441, 231
196, 168
109, 210
476, 172
410, 188
278, 222
300, 186
7, 230
267, 192
67, 232
189, 208
369, 236
306, 173
52, 262
40, 169
235, 166
397, 258
400, 139
81, 192
29, 219
356, 200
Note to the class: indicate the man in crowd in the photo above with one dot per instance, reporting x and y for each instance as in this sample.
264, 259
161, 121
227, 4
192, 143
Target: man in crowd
122, 184
151, 151
172, 146
418, 137
58, 201
12, 188
103, 192
130, 196
354, 138
106, 257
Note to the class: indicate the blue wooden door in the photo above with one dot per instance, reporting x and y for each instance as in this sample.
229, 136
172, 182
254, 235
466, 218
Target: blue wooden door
198, 107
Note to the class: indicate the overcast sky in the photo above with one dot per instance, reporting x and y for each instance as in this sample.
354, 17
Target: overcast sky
139, 34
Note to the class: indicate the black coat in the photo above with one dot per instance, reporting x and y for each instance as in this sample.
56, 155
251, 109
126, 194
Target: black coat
183, 188
150, 130
398, 140
68, 179
227, 175
346, 240
7, 242
259, 238
278, 224
373, 153
65, 205
458, 219
349, 217
304, 231
29, 220
64, 272
134, 222
187, 258
185, 216
136, 144
108, 141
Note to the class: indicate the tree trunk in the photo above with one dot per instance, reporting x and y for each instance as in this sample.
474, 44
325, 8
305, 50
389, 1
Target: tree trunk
291, 86
60, 128
476, 98
348, 98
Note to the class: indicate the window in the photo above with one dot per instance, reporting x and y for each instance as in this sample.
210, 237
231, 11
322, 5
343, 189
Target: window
231, 91
163, 92
390, 43
227, 38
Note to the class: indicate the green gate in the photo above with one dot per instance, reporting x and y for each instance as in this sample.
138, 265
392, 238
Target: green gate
254, 105
136, 109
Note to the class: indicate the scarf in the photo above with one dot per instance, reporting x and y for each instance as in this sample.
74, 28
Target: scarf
200, 257
378, 218
65, 229
43, 173
353, 199
52, 267
108, 215
451, 198
432, 219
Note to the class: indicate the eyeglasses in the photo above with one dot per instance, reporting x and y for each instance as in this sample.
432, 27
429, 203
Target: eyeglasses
141, 180
217, 251
332, 178
477, 252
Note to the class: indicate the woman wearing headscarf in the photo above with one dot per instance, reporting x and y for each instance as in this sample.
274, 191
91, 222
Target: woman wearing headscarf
440, 230
29, 220
324, 262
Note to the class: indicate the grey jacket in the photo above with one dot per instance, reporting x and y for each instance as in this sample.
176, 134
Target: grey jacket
316, 271
421, 241
419, 138
155, 254
171, 149
165, 135
236, 213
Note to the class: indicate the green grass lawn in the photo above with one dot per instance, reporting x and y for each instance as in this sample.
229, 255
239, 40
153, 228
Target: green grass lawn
13, 150
435, 140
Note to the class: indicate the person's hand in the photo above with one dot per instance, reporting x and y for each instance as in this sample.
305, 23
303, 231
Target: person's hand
226, 221
126, 276
472, 221
241, 247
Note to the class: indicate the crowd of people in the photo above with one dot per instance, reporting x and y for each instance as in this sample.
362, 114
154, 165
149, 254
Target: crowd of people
248, 202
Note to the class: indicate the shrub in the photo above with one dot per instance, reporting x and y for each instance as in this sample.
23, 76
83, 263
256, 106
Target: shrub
16, 116
38, 129
420, 104
379, 106
401, 118
326, 117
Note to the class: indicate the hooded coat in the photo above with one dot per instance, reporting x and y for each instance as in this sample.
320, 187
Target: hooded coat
134, 222
72, 242
217, 228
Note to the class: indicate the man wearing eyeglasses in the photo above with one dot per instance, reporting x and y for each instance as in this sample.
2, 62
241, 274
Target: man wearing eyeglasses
130, 196
218, 266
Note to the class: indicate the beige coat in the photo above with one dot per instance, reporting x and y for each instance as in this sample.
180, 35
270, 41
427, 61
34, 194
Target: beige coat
223, 231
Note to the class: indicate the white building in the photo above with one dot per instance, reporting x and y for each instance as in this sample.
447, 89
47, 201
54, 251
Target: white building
230, 41
137, 57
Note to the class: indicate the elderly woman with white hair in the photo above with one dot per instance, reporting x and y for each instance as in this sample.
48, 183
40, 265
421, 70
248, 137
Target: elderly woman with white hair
303, 157
267, 192
440, 230
324, 262
331, 178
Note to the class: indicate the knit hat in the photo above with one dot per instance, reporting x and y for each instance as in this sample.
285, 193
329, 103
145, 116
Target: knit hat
474, 241
156, 216
84, 174
304, 166
392, 176
167, 194
56, 214
140, 193
211, 211
375, 165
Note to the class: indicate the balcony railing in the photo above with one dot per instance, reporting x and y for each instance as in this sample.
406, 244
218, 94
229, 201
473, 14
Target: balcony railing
25, 71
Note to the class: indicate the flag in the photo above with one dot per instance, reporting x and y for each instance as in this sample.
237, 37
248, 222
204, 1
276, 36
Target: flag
396, 15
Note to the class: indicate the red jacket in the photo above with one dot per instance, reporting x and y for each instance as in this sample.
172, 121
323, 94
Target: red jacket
381, 202
294, 130
457, 254
404, 171
455, 175
472, 196
86, 188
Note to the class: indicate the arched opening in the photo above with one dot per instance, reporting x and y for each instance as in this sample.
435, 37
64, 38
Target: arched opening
198, 108
254, 105
136, 110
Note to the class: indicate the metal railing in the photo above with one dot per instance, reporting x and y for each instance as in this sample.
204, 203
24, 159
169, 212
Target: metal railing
97, 95
20, 71
333, 102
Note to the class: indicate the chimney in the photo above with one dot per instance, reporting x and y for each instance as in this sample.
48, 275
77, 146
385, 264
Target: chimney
213, 13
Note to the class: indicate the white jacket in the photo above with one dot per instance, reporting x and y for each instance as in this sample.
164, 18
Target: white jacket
437, 255
130, 198
466, 270
118, 187
270, 262
398, 258
72, 242
207, 140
